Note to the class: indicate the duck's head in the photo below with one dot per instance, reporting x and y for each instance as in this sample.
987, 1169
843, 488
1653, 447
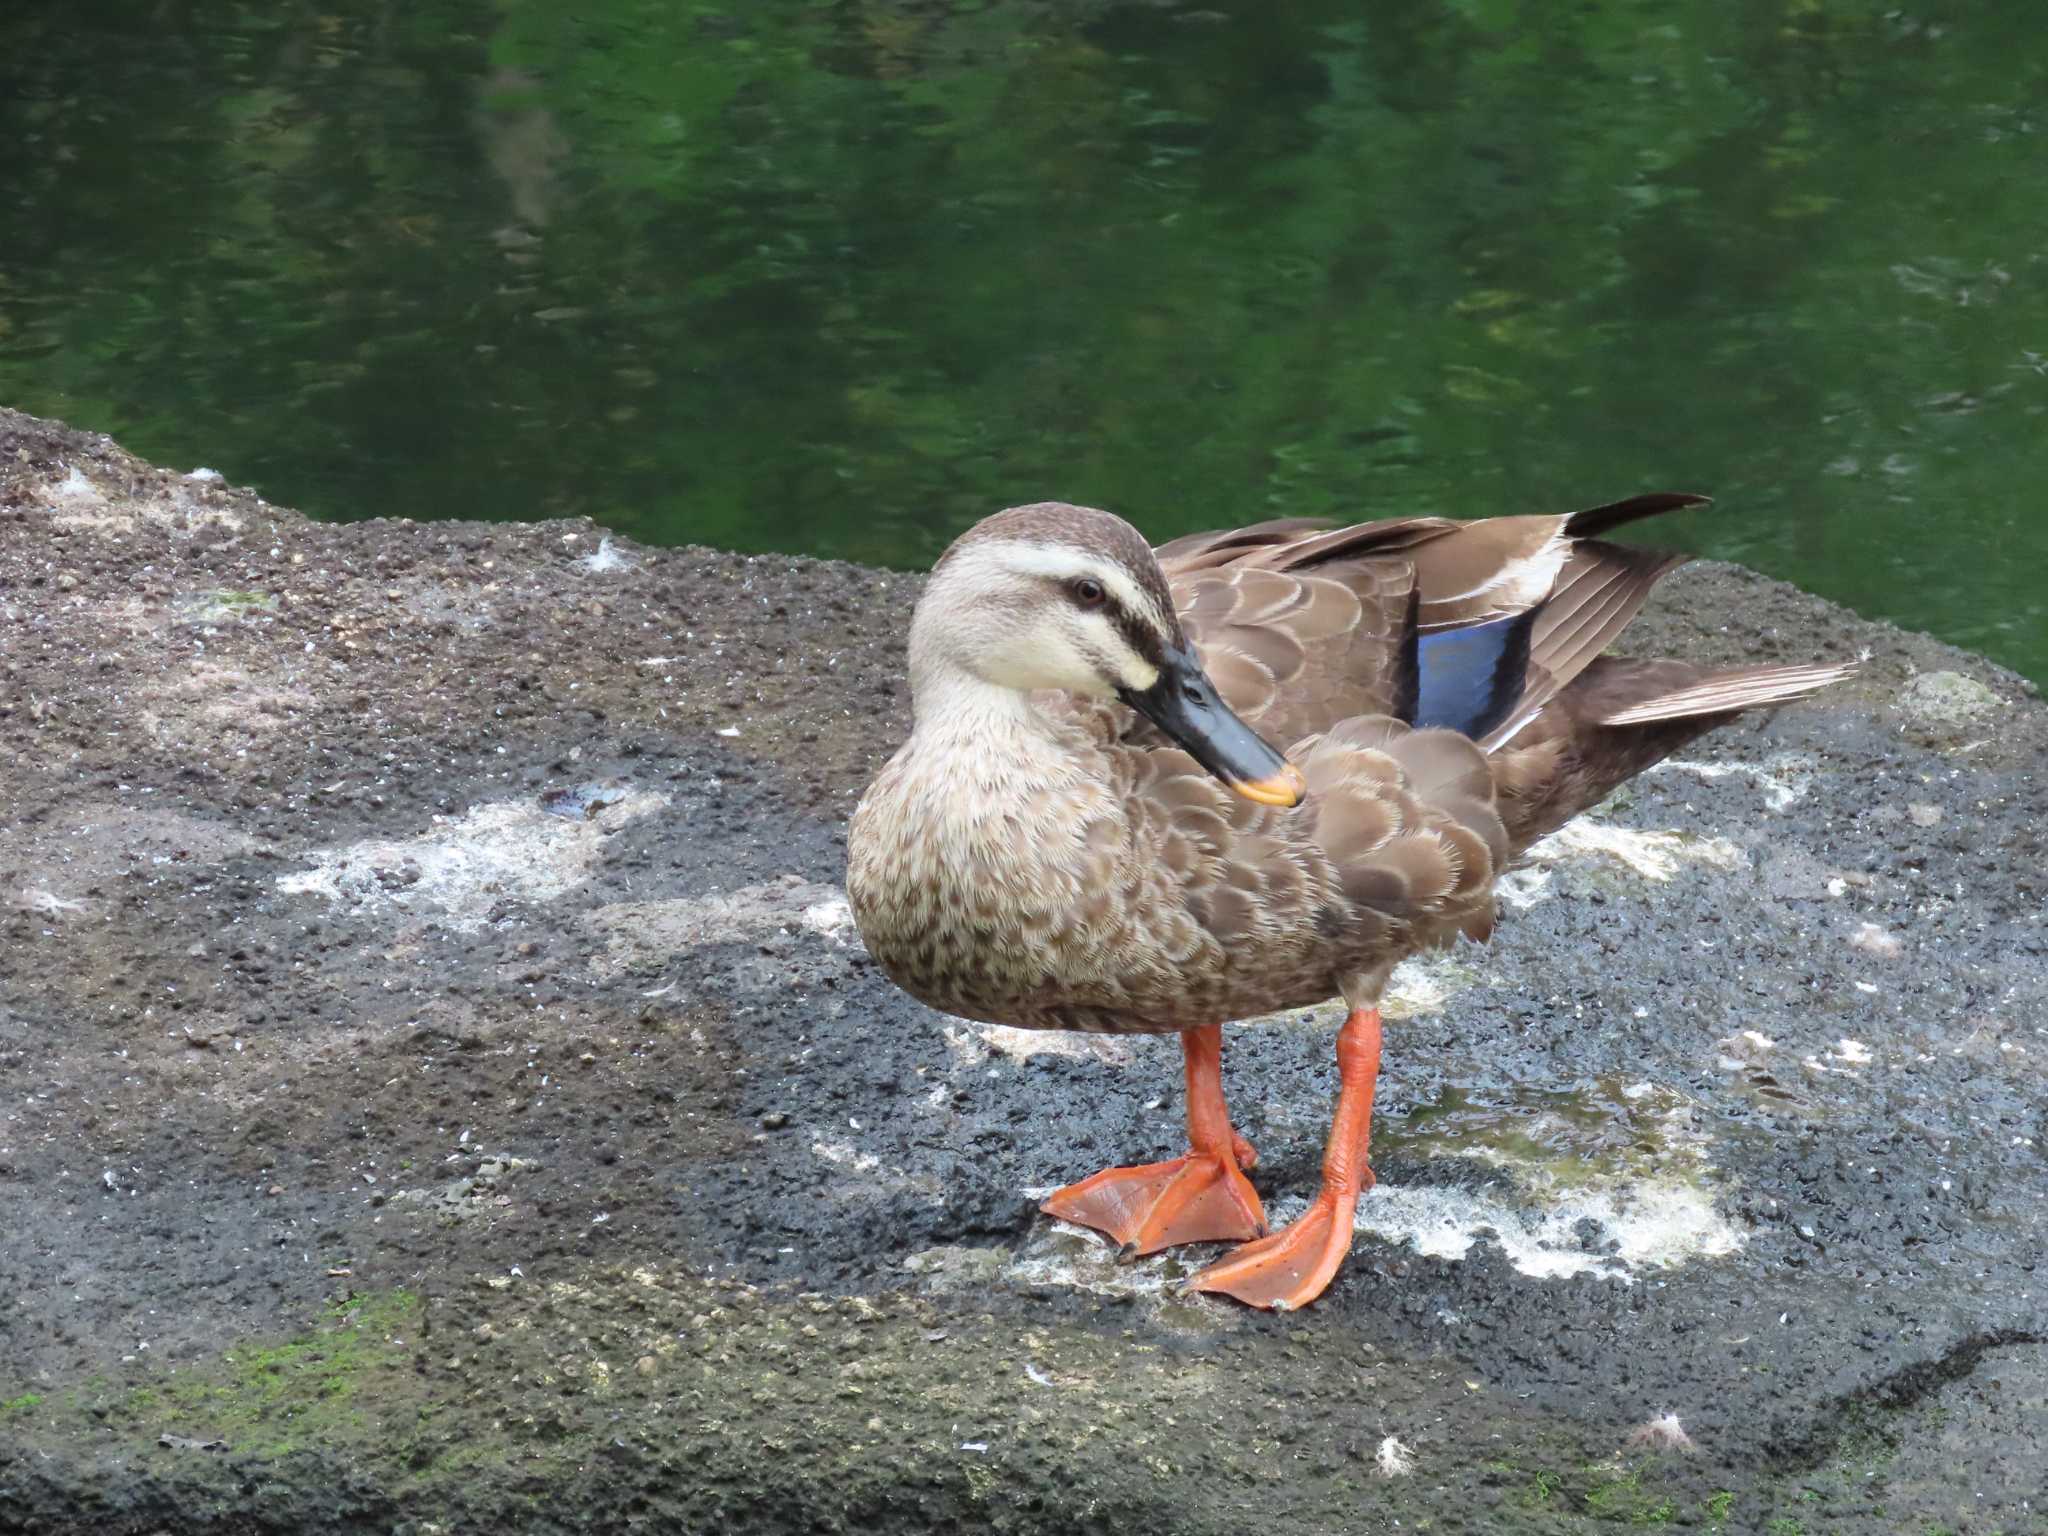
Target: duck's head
1054, 596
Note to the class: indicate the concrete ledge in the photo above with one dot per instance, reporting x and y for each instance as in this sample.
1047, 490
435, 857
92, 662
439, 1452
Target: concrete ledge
443, 1092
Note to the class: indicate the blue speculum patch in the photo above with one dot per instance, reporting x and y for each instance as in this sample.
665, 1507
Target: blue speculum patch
1469, 679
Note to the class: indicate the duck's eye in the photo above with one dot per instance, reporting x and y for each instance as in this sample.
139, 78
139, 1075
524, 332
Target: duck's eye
1088, 592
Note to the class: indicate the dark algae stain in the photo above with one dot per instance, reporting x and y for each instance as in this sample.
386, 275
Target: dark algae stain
842, 279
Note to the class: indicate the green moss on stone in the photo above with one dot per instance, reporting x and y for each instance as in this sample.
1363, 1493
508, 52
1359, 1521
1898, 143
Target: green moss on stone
272, 1399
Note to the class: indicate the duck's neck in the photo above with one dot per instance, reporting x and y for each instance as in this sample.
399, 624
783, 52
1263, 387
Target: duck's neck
992, 739
951, 701
957, 707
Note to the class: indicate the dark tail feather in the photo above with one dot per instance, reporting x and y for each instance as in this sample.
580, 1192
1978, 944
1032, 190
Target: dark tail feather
1721, 693
1595, 521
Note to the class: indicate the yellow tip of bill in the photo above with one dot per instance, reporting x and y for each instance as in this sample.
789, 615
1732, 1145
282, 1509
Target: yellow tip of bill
1287, 787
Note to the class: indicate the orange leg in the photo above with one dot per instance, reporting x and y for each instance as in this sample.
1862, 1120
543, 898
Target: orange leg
1294, 1266
1200, 1198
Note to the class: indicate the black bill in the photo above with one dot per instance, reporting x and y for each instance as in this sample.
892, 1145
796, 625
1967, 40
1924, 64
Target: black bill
1184, 704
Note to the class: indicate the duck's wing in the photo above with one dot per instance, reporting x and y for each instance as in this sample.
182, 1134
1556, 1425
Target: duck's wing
1204, 551
1616, 718
1598, 590
1471, 625
1492, 629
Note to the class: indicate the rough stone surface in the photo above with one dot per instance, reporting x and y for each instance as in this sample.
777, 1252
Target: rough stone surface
440, 1090
1939, 705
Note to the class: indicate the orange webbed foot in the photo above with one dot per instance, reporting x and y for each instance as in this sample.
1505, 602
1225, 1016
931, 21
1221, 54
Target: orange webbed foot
1295, 1265
1199, 1198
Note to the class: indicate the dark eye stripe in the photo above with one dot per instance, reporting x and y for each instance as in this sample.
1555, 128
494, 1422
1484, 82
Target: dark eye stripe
1137, 632
1140, 636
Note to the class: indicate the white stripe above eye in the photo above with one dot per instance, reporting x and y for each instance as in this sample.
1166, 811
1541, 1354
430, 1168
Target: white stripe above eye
1065, 562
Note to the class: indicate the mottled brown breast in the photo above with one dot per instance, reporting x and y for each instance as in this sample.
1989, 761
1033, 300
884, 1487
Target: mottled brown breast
1146, 896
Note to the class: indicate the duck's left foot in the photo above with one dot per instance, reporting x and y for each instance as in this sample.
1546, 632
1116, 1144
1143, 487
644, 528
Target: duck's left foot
1295, 1265
1200, 1198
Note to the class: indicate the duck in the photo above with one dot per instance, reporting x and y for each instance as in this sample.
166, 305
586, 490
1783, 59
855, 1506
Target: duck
1091, 828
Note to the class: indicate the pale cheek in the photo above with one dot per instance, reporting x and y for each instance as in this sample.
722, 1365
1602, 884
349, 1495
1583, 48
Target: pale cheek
1140, 676
1046, 658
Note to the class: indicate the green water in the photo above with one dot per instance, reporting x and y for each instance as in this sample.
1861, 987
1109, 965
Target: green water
843, 277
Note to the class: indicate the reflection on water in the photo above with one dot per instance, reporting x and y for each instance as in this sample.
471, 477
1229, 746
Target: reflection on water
843, 277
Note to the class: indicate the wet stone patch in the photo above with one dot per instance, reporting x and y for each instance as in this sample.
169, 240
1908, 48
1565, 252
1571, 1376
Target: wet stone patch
444, 1089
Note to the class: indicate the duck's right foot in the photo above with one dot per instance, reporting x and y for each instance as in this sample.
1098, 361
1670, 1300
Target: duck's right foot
1200, 1198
